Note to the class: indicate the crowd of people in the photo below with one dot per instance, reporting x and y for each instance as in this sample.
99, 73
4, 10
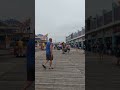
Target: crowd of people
98, 47
61, 46
65, 47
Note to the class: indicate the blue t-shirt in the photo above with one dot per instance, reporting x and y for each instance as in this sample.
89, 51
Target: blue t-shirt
31, 53
48, 48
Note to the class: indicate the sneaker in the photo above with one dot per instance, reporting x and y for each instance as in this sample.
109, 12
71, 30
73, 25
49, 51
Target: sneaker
51, 68
44, 66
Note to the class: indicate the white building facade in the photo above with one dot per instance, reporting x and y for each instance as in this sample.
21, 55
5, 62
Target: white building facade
104, 28
76, 38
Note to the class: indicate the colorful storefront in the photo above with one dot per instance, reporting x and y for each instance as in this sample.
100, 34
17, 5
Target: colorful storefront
9, 34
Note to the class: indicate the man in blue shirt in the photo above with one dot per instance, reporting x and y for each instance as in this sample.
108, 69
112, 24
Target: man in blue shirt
49, 53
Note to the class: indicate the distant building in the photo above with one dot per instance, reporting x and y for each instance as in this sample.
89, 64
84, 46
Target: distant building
104, 28
40, 38
12, 30
77, 38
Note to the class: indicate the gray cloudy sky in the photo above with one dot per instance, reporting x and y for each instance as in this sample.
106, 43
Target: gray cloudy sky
56, 17
59, 18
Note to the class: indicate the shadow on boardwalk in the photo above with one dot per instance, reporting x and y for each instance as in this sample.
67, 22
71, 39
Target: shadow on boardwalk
101, 75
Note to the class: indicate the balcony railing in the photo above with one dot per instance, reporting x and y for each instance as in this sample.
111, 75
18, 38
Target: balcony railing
107, 18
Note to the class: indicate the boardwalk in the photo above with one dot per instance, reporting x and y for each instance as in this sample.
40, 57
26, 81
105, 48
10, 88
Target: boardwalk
102, 75
12, 72
68, 72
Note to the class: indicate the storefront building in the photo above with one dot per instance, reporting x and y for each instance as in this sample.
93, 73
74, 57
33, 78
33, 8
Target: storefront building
11, 31
40, 38
76, 38
104, 29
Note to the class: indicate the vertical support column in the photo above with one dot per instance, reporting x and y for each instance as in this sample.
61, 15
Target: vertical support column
6, 41
113, 41
113, 10
82, 44
104, 11
103, 33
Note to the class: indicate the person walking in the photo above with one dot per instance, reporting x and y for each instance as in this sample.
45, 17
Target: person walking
49, 54
63, 48
101, 50
43, 44
118, 54
84, 48
20, 48
77, 47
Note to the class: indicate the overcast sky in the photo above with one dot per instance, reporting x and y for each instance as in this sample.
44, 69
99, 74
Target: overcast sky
59, 18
